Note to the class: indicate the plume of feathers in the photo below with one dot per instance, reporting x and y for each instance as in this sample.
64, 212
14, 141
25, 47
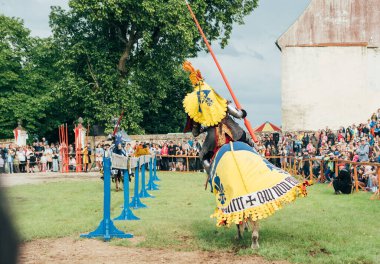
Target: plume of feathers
195, 75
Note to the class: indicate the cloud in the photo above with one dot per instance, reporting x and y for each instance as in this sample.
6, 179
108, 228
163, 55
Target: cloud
257, 55
244, 51
35, 13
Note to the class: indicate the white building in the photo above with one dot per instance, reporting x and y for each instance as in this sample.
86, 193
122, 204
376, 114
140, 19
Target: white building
331, 65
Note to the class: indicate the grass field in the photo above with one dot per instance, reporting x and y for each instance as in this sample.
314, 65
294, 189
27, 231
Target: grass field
322, 228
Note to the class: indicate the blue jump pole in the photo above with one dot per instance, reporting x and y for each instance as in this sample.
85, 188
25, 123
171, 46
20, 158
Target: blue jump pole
155, 178
143, 192
151, 186
136, 202
106, 228
126, 212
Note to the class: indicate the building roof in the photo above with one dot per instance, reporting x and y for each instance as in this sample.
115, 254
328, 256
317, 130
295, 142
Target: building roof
335, 23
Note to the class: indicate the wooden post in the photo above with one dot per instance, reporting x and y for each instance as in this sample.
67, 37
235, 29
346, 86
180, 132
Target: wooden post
286, 164
356, 178
378, 182
322, 170
187, 163
67, 148
285, 160
87, 133
59, 134
311, 171
60, 143
376, 195
300, 167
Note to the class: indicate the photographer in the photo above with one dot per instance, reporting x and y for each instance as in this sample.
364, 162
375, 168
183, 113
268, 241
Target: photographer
343, 182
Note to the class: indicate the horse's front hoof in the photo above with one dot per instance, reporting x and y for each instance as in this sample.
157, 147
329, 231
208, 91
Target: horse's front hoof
255, 245
255, 242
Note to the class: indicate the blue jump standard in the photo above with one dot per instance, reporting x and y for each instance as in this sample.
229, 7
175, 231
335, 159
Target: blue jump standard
155, 178
151, 186
143, 193
136, 202
106, 228
126, 212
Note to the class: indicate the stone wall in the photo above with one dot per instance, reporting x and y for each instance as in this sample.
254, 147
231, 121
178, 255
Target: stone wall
157, 138
7, 141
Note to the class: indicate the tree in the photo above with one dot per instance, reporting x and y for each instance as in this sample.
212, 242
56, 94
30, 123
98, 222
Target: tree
127, 54
24, 80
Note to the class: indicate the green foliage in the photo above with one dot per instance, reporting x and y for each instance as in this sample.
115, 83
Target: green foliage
128, 55
106, 56
321, 228
25, 78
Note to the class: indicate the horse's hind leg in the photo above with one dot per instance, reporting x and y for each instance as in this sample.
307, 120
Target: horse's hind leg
255, 234
246, 226
240, 229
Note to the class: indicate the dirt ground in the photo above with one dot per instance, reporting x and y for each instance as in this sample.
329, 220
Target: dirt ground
8, 180
69, 250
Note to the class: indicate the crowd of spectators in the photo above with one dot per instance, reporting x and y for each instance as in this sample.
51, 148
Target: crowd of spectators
180, 156
171, 156
354, 143
43, 157
40, 156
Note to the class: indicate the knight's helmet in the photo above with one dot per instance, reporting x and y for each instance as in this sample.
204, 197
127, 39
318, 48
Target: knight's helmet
203, 104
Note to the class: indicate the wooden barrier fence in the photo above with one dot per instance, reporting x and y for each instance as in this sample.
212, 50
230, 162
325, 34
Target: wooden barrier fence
294, 165
180, 156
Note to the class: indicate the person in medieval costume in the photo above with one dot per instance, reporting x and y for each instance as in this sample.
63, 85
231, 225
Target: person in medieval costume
246, 186
85, 156
208, 112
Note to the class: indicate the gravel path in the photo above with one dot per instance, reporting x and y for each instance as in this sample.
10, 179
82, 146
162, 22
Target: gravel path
8, 180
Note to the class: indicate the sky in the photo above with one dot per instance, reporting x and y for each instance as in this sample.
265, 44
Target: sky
251, 61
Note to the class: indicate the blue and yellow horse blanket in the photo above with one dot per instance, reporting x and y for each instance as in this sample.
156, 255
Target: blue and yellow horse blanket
246, 185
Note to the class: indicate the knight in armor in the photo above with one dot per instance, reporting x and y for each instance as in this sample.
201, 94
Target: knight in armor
208, 112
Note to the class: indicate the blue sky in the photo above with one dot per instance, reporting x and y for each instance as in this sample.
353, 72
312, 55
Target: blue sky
251, 62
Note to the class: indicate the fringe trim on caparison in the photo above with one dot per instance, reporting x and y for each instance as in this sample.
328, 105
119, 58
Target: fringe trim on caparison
259, 212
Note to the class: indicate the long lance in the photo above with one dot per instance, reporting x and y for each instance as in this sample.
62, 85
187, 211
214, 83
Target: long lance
116, 128
246, 121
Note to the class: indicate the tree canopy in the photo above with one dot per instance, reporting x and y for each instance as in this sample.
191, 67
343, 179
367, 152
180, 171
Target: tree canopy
25, 79
105, 56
